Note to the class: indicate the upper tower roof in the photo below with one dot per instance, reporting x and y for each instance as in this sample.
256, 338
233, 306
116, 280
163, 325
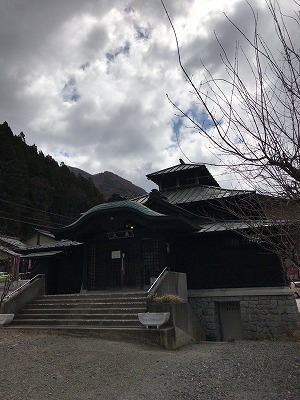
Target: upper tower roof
183, 175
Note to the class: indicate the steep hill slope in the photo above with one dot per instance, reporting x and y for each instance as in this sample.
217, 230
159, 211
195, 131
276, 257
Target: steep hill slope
35, 191
109, 183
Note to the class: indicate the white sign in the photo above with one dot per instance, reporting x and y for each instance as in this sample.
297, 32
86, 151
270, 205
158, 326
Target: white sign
116, 254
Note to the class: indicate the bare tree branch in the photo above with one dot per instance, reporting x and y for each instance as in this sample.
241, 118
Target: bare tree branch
260, 126
255, 126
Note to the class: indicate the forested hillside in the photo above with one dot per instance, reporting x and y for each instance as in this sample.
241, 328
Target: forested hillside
35, 191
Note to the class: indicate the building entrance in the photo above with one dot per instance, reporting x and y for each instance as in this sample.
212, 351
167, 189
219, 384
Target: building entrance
123, 264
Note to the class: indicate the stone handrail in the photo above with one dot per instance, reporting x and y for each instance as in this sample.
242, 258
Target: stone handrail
170, 282
156, 282
15, 301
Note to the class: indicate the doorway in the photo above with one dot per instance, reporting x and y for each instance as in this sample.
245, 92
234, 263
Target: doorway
114, 265
230, 320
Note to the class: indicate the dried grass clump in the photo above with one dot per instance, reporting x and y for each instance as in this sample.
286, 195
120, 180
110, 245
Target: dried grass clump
293, 336
167, 298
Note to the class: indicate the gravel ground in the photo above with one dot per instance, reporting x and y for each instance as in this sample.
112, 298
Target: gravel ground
38, 366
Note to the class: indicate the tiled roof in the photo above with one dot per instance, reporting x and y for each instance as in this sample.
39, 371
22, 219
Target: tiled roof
122, 204
141, 199
15, 247
176, 168
199, 193
53, 245
12, 242
192, 194
42, 254
232, 226
8, 251
125, 205
181, 169
46, 233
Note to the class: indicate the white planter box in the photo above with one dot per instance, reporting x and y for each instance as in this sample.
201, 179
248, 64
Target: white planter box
154, 319
6, 318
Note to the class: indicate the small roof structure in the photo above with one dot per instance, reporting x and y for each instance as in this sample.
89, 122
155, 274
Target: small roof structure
200, 170
14, 247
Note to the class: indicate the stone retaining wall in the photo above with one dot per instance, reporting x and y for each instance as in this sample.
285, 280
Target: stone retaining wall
264, 313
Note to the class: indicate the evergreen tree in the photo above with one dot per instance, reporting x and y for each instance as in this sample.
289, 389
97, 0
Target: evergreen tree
35, 190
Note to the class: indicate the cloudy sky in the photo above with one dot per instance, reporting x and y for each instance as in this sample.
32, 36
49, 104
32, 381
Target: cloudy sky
86, 81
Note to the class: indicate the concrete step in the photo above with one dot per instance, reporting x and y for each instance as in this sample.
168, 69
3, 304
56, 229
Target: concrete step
90, 301
89, 316
75, 304
103, 293
83, 310
102, 296
76, 322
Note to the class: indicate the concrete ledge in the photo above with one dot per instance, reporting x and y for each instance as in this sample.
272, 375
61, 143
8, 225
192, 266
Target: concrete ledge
182, 317
230, 292
15, 303
171, 282
164, 337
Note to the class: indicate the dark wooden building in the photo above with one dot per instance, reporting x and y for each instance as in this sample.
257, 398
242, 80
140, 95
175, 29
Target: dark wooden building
59, 261
186, 225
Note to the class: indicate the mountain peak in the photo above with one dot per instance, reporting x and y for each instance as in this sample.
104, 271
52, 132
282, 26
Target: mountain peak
109, 183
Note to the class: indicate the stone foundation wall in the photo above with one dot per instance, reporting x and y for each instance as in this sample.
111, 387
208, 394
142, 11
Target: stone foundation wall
265, 312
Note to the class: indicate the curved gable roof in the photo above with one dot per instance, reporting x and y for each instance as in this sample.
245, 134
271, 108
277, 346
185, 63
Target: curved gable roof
119, 205
125, 205
114, 206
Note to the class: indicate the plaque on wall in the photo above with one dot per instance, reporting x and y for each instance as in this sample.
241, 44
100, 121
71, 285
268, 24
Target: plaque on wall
120, 234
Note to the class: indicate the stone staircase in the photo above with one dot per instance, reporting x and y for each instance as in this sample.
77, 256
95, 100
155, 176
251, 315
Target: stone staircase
75, 312
107, 315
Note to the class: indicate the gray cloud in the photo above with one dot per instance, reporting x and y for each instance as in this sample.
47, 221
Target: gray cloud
86, 80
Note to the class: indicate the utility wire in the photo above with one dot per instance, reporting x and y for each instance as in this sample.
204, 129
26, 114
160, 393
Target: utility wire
30, 223
35, 209
8, 215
